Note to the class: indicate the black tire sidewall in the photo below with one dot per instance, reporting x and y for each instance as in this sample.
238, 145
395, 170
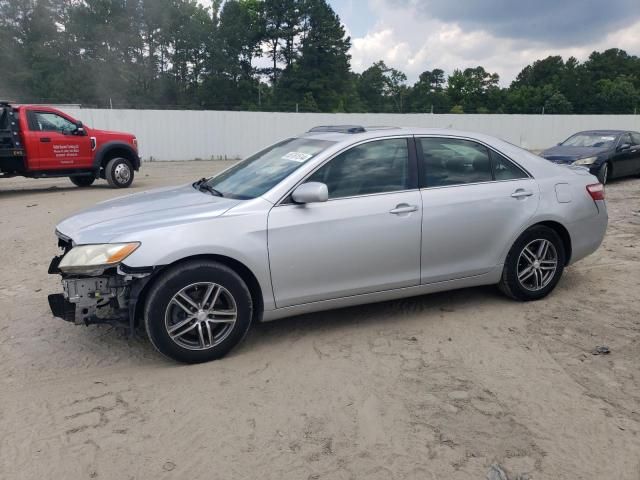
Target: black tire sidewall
601, 173
110, 172
172, 281
511, 265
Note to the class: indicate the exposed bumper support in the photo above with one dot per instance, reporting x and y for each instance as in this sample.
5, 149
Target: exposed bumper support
110, 298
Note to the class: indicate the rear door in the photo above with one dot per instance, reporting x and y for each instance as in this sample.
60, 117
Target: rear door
475, 202
365, 238
61, 145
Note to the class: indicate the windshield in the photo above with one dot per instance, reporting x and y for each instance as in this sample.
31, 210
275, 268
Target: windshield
589, 140
264, 170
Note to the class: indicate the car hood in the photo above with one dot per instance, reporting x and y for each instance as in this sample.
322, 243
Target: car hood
561, 154
120, 217
111, 133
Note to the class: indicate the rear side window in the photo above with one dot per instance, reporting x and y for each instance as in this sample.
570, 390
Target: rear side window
505, 169
374, 167
449, 161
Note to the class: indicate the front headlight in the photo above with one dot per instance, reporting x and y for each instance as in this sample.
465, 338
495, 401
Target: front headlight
103, 255
585, 161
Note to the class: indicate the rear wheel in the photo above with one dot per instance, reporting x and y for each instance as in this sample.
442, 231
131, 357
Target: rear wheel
534, 265
119, 172
83, 180
198, 312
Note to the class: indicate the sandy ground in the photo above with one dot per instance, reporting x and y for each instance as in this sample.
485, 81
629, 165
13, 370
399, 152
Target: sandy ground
435, 387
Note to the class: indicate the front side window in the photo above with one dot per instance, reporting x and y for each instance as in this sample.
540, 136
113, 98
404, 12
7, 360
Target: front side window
625, 139
374, 167
636, 138
261, 172
449, 161
50, 122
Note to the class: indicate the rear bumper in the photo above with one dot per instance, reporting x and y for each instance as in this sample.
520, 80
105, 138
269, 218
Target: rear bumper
587, 234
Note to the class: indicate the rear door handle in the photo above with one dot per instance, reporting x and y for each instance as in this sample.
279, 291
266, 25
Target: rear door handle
45, 139
521, 193
403, 208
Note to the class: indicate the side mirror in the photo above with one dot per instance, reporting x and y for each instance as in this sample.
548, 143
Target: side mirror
79, 129
623, 147
312, 192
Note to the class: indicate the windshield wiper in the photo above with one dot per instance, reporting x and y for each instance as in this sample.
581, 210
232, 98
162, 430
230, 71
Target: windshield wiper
203, 186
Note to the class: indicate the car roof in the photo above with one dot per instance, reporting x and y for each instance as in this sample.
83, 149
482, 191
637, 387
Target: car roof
604, 132
348, 133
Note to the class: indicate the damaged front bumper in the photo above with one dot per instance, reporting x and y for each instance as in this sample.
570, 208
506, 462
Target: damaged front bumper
105, 296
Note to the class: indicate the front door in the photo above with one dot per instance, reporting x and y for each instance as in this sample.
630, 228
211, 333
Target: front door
61, 145
365, 238
475, 203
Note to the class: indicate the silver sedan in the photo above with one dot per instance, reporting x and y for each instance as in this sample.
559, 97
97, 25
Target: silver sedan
338, 216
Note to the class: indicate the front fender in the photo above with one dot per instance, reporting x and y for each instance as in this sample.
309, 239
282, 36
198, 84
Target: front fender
240, 235
104, 150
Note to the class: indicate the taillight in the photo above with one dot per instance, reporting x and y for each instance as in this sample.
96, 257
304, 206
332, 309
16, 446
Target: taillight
596, 190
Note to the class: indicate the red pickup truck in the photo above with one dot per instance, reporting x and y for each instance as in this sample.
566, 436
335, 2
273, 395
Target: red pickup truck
43, 142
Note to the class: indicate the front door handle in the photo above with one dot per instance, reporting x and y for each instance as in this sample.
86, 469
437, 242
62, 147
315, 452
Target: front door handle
403, 208
45, 139
520, 193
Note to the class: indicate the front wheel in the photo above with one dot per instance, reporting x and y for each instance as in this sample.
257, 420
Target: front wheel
83, 180
534, 265
119, 172
603, 173
197, 312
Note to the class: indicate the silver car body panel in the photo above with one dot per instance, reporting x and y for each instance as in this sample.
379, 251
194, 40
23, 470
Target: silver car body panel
353, 250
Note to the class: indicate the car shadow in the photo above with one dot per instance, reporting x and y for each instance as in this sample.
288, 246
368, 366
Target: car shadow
401, 311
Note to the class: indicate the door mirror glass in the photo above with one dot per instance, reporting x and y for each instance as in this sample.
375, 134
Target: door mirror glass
311, 192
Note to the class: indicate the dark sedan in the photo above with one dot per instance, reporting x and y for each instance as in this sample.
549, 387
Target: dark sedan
606, 153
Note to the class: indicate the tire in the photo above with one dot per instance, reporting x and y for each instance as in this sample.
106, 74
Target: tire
604, 173
119, 172
167, 305
520, 284
83, 181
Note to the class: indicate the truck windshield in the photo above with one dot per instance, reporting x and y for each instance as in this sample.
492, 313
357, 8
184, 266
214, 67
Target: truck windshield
261, 172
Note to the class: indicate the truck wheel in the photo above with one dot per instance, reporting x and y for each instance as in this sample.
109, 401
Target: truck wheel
83, 181
119, 173
197, 312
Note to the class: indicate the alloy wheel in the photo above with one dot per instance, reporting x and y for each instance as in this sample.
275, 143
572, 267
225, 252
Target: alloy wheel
201, 316
537, 264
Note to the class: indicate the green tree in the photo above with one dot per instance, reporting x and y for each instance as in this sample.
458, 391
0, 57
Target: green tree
322, 68
617, 96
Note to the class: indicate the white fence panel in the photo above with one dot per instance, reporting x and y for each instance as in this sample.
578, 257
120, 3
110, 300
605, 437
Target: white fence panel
191, 134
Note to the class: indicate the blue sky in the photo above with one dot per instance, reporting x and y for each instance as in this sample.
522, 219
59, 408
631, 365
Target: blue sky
501, 35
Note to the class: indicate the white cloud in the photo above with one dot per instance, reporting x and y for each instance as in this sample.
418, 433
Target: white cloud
412, 43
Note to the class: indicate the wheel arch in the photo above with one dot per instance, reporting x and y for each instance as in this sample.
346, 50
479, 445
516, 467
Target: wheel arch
562, 232
240, 268
114, 150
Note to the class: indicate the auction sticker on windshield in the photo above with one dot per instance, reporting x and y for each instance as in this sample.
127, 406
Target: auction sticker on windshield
297, 156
